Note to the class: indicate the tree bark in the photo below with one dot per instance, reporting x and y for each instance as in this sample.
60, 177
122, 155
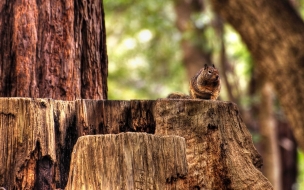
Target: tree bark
37, 137
128, 161
53, 49
273, 32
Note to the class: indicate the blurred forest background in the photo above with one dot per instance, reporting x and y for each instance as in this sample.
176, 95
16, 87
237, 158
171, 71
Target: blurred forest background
155, 47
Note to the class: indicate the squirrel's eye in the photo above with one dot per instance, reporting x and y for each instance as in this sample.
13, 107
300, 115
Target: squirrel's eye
209, 72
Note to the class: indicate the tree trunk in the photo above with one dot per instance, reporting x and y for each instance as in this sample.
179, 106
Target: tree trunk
53, 49
128, 161
268, 130
289, 156
37, 137
194, 55
273, 32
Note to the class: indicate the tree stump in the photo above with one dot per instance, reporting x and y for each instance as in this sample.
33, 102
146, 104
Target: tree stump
36, 140
27, 140
220, 151
37, 137
127, 161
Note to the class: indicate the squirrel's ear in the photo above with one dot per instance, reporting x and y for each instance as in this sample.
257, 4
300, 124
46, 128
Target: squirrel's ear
205, 66
213, 66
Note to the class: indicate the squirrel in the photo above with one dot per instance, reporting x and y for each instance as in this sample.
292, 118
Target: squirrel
206, 84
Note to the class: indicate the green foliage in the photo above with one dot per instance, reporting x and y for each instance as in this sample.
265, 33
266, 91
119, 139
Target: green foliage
241, 62
300, 180
301, 8
143, 50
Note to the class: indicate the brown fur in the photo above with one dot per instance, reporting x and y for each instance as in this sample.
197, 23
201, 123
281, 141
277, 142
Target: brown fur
206, 84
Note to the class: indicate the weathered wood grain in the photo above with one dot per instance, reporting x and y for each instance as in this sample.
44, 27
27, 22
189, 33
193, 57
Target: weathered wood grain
66, 137
36, 141
220, 151
127, 161
27, 135
37, 137
102, 117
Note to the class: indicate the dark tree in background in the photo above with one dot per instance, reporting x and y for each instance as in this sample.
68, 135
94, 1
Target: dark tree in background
53, 49
274, 34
